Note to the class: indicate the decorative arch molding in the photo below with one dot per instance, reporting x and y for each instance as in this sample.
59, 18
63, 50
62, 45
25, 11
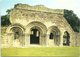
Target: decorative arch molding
54, 35
15, 25
42, 29
66, 38
40, 26
16, 35
53, 28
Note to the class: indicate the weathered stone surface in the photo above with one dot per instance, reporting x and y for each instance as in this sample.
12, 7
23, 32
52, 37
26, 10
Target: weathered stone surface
24, 18
41, 8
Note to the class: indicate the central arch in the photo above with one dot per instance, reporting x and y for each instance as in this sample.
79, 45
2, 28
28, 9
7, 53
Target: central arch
34, 36
36, 33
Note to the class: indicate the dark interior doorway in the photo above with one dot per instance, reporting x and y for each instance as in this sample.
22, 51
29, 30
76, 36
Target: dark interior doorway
51, 36
66, 39
34, 36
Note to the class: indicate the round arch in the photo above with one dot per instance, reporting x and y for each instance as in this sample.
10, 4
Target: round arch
66, 38
54, 34
40, 27
15, 25
15, 33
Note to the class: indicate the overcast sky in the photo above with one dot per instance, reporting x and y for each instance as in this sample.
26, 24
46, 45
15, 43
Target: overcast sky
54, 4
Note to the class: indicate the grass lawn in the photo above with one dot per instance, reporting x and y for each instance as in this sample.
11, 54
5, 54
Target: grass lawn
42, 51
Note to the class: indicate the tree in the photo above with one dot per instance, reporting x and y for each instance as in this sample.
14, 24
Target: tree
5, 20
72, 19
8, 11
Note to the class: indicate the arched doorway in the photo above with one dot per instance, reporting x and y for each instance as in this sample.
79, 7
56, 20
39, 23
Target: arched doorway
34, 36
51, 36
38, 30
17, 32
16, 35
66, 39
54, 35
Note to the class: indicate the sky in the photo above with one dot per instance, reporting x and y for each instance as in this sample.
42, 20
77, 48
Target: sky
54, 4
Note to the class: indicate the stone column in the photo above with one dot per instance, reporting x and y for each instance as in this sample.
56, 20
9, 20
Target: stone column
40, 40
43, 40
27, 39
10, 39
61, 39
4, 41
47, 40
22, 40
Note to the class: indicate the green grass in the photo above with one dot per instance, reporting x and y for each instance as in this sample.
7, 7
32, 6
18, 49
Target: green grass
41, 51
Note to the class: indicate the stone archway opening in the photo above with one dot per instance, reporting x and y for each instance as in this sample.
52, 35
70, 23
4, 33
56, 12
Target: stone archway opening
66, 39
54, 35
51, 36
17, 32
16, 35
35, 33
34, 36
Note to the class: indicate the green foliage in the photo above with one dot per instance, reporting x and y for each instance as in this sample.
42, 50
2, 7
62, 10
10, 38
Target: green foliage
8, 11
72, 19
5, 20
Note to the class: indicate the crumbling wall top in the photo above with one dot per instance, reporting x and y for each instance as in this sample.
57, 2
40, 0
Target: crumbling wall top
38, 8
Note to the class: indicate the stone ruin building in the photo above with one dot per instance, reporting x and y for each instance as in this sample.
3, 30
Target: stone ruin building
38, 26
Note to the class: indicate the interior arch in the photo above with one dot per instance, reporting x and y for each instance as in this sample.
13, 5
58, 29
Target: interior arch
66, 39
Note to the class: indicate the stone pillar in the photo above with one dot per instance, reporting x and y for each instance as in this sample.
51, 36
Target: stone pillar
4, 42
10, 39
27, 40
43, 40
61, 39
40, 40
47, 40
22, 40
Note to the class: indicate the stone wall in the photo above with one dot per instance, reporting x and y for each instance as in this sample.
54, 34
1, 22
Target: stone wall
41, 8
3, 36
45, 20
77, 39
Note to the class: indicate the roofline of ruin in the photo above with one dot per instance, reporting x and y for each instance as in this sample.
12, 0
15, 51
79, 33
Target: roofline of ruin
38, 8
